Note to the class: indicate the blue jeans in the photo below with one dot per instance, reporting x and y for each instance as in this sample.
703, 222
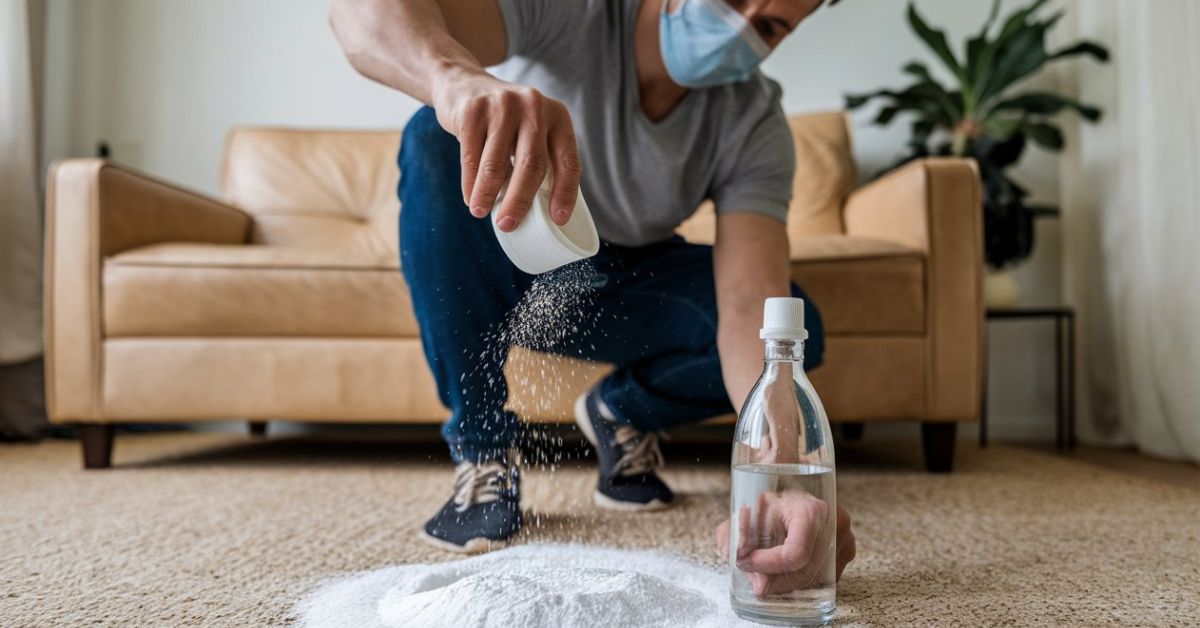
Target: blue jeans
656, 317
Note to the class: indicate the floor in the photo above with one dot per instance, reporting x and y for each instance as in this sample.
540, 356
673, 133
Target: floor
1133, 463
219, 529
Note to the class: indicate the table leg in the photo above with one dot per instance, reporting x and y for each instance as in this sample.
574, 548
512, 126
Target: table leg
1060, 418
983, 397
1070, 380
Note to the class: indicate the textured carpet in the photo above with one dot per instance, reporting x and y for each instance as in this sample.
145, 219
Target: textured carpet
221, 530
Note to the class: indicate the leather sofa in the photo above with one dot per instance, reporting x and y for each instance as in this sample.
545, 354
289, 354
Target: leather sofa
282, 300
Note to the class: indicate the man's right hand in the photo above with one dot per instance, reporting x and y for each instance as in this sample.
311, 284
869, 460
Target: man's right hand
504, 127
436, 52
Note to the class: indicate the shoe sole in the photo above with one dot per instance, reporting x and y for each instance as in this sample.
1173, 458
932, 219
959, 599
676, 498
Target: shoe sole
604, 501
584, 421
474, 546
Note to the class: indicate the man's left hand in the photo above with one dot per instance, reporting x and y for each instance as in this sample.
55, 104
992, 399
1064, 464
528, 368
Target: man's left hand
791, 564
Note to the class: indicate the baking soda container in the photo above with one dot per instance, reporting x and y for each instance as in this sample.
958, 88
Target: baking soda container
538, 245
783, 495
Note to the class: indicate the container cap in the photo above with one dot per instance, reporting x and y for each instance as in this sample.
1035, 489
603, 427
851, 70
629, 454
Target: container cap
538, 245
783, 317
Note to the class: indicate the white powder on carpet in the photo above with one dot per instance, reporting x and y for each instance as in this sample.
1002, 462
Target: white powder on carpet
530, 586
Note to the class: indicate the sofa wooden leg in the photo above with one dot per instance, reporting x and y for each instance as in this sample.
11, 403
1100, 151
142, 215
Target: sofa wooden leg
937, 440
258, 429
852, 431
97, 441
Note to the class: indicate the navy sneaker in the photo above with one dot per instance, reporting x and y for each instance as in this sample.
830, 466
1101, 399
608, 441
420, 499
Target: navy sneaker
628, 459
484, 512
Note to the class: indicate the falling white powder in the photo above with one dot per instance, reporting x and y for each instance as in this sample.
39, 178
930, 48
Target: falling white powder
557, 314
530, 586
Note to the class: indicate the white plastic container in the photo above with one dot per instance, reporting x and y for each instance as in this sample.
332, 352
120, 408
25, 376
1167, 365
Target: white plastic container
538, 245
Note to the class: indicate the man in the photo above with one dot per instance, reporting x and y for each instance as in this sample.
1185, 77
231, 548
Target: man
654, 107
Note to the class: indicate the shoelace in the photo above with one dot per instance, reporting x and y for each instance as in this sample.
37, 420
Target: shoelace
642, 454
479, 483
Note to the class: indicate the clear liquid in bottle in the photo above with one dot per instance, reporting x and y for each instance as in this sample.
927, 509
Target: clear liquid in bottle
783, 504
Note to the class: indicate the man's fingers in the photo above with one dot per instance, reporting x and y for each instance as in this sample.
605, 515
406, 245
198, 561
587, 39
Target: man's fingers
797, 549
564, 157
471, 137
531, 161
780, 584
782, 558
528, 173
845, 553
847, 546
722, 533
743, 547
494, 166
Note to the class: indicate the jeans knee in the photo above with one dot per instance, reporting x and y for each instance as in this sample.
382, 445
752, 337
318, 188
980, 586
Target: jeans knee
427, 152
423, 130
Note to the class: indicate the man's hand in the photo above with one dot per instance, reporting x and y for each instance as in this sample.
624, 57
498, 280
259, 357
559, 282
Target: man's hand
436, 51
798, 520
496, 121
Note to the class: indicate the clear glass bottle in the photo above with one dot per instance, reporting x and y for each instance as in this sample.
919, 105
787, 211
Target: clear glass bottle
783, 507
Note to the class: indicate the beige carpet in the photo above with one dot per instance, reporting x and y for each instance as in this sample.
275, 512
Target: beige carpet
221, 530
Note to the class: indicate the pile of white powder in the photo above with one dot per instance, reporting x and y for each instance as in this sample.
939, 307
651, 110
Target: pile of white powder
530, 586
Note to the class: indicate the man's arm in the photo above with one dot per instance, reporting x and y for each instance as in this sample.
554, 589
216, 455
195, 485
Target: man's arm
436, 51
750, 263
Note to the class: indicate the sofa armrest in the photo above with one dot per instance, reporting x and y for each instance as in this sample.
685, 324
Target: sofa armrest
95, 209
935, 206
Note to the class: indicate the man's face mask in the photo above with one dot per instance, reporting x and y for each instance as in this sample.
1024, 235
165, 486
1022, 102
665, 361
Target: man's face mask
708, 43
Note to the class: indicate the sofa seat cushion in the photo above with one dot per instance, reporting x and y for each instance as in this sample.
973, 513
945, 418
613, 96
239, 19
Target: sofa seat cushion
179, 289
862, 285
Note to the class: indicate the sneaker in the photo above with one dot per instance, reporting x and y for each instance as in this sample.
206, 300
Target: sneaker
628, 459
485, 510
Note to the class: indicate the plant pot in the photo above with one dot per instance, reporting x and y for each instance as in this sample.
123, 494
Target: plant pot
1000, 289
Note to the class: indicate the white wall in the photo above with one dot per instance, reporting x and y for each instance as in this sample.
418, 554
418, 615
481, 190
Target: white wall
163, 80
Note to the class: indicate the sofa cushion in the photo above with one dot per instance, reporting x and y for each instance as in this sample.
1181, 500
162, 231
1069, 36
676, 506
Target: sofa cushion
351, 174
181, 289
862, 285
825, 173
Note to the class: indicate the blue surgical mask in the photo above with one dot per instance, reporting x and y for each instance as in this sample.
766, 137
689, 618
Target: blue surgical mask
708, 43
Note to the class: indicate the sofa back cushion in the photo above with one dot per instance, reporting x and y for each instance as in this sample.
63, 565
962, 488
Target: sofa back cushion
824, 173
305, 185
824, 178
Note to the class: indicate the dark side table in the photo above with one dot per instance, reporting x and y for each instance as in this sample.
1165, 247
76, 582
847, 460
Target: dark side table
1064, 355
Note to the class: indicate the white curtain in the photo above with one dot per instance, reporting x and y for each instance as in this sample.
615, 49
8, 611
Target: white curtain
1131, 198
20, 211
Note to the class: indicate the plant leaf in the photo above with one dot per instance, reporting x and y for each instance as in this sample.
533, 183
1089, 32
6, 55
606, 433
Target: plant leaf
885, 115
1002, 127
976, 47
1042, 211
1096, 51
1020, 57
917, 69
1047, 103
1045, 135
991, 58
935, 39
926, 97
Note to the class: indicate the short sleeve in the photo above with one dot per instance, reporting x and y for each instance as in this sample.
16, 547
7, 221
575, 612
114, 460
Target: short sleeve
759, 178
533, 27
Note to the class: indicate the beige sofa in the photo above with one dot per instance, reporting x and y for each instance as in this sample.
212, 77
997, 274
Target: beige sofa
282, 300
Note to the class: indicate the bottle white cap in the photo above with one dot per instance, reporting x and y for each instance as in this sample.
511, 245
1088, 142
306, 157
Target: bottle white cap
538, 245
783, 317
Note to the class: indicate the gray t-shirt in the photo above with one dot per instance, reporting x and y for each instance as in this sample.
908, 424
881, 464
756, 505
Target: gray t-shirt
642, 179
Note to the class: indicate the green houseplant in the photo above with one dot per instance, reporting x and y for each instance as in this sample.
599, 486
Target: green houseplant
982, 115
